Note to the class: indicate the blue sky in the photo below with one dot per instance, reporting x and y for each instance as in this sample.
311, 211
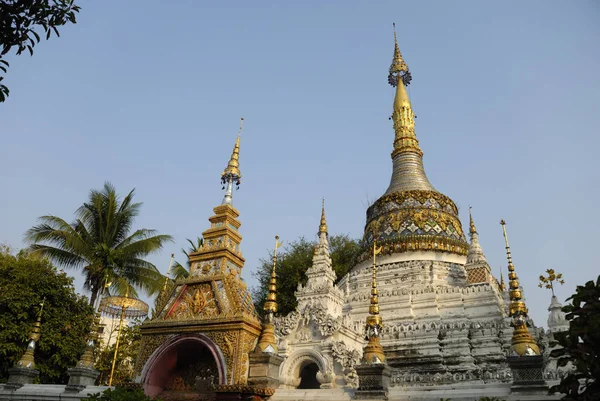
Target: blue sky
148, 94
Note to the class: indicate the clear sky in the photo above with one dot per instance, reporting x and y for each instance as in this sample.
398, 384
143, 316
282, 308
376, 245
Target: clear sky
148, 94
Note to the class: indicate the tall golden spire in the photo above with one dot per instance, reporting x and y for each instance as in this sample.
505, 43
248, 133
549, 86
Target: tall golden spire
323, 223
27, 360
267, 341
232, 173
523, 343
408, 172
373, 352
404, 119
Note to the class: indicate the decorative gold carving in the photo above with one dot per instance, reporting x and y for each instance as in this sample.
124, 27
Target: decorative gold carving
148, 344
197, 302
415, 220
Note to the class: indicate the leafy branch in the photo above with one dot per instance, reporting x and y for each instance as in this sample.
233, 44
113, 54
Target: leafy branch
19, 20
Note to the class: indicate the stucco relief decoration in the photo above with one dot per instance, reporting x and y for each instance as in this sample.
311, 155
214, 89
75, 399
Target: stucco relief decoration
286, 324
326, 323
348, 358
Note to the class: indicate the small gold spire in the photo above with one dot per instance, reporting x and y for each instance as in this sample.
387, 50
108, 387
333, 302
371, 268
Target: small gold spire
323, 224
373, 352
472, 229
233, 167
267, 341
232, 173
522, 342
27, 360
271, 303
502, 284
404, 118
168, 274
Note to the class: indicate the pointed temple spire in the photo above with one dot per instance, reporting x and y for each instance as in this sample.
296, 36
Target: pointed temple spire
323, 223
232, 173
523, 343
408, 172
475, 253
27, 360
373, 352
502, 283
267, 341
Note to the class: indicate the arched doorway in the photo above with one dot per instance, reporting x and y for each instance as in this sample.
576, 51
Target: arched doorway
308, 376
183, 364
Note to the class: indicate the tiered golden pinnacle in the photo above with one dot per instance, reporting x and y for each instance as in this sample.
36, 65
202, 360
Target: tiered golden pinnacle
373, 352
523, 343
472, 228
404, 119
267, 341
27, 360
323, 224
232, 175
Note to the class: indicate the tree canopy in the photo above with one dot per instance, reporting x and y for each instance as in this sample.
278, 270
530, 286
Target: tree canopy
580, 345
129, 347
66, 317
292, 264
22, 21
100, 244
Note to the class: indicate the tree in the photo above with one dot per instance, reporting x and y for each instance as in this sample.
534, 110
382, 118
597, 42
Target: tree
129, 347
180, 271
19, 20
580, 345
66, 317
292, 264
99, 243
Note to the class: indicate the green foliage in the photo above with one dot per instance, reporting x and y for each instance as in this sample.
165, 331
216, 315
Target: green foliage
180, 271
580, 345
129, 346
19, 20
120, 394
66, 318
292, 264
100, 244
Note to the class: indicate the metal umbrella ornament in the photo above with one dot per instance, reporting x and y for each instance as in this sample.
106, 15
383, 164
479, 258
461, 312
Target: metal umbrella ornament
124, 307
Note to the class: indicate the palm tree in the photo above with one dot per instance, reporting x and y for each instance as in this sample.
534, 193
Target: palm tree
180, 271
100, 244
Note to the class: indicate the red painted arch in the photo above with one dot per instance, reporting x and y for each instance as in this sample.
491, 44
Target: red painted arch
164, 358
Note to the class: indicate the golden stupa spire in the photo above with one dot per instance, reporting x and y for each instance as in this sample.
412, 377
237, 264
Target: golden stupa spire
267, 341
323, 223
232, 173
523, 343
27, 360
404, 118
408, 172
472, 228
373, 352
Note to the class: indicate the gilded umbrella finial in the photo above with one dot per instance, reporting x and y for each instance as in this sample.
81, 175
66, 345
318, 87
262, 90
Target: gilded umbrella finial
373, 352
232, 173
523, 343
267, 341
399, 68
